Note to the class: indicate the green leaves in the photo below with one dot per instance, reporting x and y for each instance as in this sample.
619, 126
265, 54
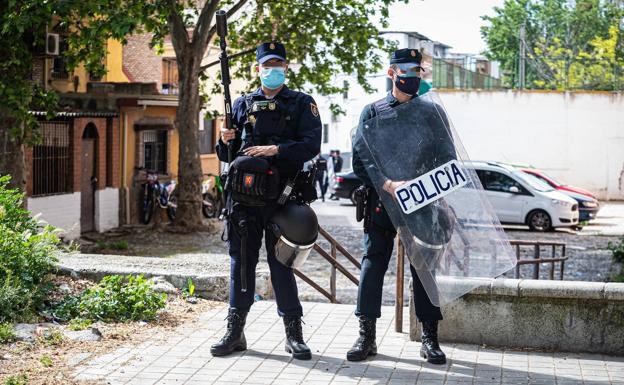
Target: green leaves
561, 36
114, 299
27, 256
325, 37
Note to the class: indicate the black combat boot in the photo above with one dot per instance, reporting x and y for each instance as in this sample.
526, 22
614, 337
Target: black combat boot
234, 338
365, 345
430, 349
294, 338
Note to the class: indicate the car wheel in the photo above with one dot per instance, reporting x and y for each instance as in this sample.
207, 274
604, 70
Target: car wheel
539, 220
352, 196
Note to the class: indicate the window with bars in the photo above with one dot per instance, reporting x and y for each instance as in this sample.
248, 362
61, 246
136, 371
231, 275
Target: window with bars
155, 150
59, 64
52, 162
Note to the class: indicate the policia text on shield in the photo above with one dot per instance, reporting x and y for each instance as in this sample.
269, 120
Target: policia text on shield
274, 131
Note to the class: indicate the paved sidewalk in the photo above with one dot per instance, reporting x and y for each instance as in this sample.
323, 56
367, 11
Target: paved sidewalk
184, 357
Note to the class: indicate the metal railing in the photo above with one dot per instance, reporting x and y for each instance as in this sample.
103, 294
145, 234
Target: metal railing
331, 257
538, 259
336, 266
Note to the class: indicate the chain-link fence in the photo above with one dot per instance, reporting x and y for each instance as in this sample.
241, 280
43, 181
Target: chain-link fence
447, 75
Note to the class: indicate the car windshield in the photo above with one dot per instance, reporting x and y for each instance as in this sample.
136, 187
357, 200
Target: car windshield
555, 181
533, 181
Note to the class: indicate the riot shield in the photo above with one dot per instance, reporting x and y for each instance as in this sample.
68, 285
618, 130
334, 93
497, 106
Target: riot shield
420, 171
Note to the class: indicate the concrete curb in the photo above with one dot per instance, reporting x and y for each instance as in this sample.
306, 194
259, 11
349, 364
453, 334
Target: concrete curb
572, 316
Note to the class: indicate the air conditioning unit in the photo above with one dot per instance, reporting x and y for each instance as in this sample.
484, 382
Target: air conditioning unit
52, 44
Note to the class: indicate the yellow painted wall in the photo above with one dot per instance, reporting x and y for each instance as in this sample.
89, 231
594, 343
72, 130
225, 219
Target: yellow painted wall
67, 85
114, 62
128, 116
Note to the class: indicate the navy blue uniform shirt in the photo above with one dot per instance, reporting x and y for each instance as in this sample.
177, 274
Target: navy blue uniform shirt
299, 142
368, 113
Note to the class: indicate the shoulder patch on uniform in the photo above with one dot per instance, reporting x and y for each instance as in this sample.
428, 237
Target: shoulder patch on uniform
314, 109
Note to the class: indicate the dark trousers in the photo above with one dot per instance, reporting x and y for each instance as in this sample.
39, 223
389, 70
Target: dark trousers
323, 183
378, 244
282, 277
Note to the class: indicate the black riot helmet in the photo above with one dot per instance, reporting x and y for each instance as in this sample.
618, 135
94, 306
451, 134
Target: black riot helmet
296, 228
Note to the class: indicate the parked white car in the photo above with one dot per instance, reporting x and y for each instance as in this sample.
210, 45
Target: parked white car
520, 198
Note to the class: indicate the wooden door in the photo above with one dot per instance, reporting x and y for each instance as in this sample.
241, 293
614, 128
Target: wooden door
87, 190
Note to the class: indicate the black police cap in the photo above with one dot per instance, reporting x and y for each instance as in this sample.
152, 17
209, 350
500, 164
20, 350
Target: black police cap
406, 55
268, 51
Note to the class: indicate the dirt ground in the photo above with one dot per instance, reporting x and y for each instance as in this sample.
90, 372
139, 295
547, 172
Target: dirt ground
48, 361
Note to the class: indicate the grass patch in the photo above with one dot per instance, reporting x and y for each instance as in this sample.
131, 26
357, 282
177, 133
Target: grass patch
46, 361
20, 379
117, 245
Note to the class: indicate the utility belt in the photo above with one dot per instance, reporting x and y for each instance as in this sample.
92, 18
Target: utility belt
367, 204
255, 181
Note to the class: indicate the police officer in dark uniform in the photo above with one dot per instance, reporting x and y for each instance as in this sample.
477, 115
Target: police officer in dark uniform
405, 69
283, 128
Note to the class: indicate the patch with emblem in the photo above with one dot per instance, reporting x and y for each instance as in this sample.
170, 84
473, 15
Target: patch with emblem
248, 180
272, 46
314, 109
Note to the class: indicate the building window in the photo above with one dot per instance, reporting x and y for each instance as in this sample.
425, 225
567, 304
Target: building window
169, 76
206, 138
52, 165
155, 150
325, 133
59, 67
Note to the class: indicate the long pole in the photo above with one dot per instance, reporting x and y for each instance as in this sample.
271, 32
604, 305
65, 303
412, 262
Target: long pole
225, 73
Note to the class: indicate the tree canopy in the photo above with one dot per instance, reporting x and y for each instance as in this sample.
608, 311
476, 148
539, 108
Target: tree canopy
569, 43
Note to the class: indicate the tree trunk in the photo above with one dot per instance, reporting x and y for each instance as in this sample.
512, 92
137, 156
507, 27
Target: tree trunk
189, 214
12, 158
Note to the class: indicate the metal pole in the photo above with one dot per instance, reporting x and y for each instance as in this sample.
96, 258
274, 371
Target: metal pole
521, 66
332, 281
398, 304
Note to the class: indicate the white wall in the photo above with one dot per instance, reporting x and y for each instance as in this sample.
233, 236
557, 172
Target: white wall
106, 209
61, 211
575, 137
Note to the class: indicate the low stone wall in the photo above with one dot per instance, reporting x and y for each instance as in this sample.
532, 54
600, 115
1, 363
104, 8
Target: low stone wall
568, 316
210, 277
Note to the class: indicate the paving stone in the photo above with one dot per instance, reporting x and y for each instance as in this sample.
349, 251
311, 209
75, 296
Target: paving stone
182, 359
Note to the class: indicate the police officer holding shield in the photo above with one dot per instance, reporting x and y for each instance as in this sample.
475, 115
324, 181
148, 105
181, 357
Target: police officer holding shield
405, 72
282, 130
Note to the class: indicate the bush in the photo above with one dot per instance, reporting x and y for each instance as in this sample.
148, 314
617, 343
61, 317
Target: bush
27, 256
617, 249
114, 299
7, 333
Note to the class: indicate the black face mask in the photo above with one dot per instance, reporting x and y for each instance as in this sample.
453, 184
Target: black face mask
407, 85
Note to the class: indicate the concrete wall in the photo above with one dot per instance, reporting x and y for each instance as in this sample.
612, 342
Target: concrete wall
106, 209
575, 137
62, 211
561, 315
